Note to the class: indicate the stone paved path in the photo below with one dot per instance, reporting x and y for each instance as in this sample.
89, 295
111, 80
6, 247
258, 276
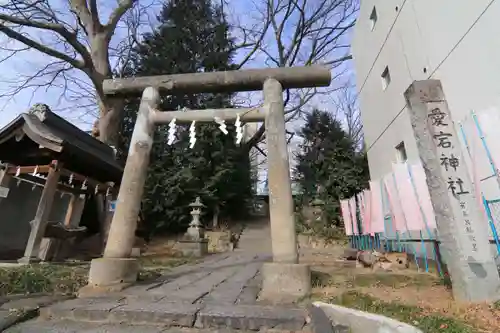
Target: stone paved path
220, 292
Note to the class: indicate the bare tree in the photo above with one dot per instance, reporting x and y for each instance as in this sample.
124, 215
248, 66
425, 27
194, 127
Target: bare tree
347, 108
82, 52
79, 47
297, 32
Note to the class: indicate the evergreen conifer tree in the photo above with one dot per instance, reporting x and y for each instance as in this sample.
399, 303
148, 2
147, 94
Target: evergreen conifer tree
328, 159
193, 36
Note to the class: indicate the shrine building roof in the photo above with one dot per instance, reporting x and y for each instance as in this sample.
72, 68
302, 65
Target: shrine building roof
41, 136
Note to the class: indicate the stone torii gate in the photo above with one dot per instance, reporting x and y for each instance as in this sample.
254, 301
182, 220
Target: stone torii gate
283, 277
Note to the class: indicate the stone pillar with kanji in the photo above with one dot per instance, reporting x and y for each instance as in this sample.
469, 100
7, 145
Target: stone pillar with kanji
462, 229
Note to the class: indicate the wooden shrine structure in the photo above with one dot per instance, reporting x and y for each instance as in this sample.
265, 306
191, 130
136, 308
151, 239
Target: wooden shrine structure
44, 150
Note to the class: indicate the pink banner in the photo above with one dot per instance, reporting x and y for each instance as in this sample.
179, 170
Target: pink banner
476, 178
346, 216
408, 198
398, 216
366, 195
377, 212
419, 179
352, 207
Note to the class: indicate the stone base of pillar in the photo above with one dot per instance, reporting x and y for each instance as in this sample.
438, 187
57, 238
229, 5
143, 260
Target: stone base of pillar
193, 247
136, 252
283, 282
110, 275
29, 260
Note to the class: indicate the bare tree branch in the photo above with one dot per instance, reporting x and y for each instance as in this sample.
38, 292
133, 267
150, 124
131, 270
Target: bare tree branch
297, 32
40, 47
70, 37
123, 7
89, 21
346, 102
81, 52
134, 22
280, 33
260, 151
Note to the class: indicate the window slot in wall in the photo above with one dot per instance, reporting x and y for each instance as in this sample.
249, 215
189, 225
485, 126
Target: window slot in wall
373, 18
401, 155
386, 78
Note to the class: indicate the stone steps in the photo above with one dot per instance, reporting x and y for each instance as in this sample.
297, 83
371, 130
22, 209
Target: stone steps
39, 326
255, 240
177, 314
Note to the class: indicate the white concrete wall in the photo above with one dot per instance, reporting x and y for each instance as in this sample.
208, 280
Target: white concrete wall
455, 41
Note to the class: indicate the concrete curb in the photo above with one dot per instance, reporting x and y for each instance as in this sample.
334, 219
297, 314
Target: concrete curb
33, 301
320, 323
15, 309
15, 297
361, 322
16, 317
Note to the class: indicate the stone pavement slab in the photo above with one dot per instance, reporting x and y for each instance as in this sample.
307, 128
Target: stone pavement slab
159, 313
220, 281
202, 287
38, 326
87, 309
216, 295
33, 302
178, 283
251, 290
176, 313
187, 272
229, 290
134, 312
251, 317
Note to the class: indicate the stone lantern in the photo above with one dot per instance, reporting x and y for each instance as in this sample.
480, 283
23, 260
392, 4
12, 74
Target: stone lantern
194, 243
195, 230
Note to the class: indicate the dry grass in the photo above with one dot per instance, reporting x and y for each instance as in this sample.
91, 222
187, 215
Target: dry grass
69, 278
420, 299
43, 278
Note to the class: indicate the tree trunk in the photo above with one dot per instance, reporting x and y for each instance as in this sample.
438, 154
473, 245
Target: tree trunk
110, 109
110, 120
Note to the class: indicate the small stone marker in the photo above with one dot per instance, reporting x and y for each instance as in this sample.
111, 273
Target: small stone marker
4, 192
461, 228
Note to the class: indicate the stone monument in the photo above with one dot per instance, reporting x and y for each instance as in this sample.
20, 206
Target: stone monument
461, 228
